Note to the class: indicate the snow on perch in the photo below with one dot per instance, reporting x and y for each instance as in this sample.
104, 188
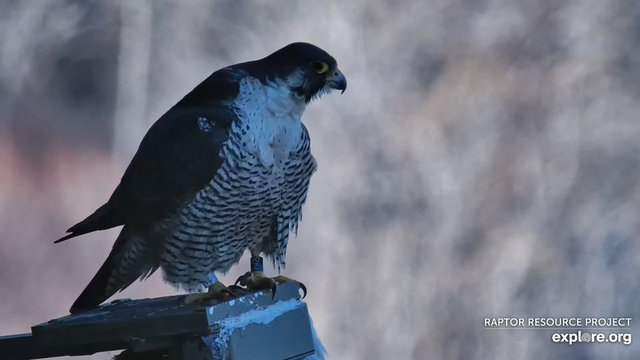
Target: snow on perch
255, 326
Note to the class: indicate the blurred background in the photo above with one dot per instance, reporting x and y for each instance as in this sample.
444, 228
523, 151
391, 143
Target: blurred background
485, 160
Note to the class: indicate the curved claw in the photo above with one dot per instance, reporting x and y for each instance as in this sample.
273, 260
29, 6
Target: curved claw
304, 290
243, 279
257, 281
284, 279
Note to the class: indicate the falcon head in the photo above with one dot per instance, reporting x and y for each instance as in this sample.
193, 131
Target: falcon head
308, 71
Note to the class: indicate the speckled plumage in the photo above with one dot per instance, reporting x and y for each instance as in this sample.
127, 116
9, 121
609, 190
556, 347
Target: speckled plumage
256, 197
225, 170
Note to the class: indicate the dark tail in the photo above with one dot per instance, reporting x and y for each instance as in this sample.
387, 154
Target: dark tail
129, 260
103, 218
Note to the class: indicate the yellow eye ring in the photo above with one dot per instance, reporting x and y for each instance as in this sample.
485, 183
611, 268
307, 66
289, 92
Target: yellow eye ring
320, 67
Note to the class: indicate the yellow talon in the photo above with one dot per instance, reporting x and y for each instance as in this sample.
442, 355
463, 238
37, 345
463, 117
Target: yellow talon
217, 291
258, 281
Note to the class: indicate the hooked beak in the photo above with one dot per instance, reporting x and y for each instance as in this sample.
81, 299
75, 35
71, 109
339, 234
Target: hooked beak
337, 80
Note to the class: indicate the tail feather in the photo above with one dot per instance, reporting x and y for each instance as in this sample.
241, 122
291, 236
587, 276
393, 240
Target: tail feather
128, 261
103, 218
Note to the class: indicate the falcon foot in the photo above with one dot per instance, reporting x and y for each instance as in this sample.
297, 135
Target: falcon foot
217, 291
257, 281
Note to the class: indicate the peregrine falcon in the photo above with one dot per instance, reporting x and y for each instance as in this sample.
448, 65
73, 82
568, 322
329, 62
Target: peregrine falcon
226, 169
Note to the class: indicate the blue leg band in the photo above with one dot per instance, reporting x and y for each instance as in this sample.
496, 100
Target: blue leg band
256, 263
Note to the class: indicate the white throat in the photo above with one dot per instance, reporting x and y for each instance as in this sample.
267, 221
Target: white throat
270, 117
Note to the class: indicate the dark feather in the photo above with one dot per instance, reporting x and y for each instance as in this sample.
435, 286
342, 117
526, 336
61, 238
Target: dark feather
128, 261
103, 218
176, 158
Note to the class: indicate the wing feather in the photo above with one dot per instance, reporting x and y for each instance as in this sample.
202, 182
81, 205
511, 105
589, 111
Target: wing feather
177, 157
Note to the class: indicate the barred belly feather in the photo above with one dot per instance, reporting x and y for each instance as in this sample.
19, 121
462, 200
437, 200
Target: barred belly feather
255, 199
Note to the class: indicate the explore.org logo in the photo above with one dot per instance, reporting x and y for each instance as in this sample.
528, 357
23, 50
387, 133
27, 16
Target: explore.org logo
570, 330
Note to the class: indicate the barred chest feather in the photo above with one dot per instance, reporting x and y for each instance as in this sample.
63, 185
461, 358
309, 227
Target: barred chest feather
256, 197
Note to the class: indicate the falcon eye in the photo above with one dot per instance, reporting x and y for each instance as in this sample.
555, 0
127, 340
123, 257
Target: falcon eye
320, 67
